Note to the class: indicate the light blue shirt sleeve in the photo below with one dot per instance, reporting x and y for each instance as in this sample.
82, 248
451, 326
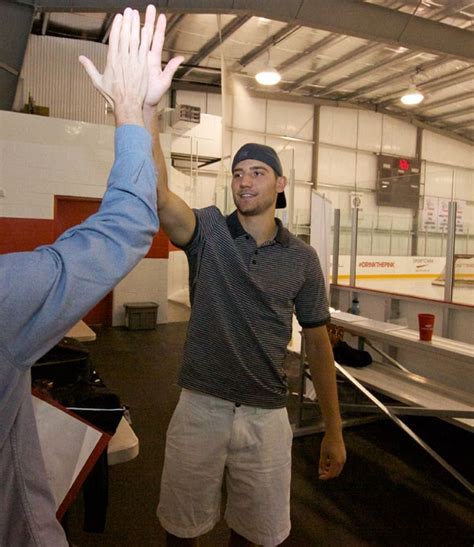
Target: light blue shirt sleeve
43, 293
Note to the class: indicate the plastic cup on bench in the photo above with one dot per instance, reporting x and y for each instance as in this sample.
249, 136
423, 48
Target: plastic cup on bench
426, 324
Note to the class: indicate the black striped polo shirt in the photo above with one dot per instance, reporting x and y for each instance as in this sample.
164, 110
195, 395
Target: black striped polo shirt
242, 301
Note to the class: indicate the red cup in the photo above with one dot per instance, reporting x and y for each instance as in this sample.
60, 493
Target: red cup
426, 324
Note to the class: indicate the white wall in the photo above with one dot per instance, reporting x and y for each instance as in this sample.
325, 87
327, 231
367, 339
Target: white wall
348, 143
147, 282
42, 157
178, 278
53, 76
440, 149
449, 175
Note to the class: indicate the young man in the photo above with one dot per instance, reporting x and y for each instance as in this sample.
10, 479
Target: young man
247, 276
45, 292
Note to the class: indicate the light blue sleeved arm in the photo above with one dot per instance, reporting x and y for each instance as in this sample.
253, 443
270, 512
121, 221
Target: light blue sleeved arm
45, 292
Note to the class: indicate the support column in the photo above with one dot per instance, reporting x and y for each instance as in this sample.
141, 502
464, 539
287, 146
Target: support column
314, 170
354, 234
416, 212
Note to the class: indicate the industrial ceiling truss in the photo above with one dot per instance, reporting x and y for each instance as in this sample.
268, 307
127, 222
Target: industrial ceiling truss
362, 54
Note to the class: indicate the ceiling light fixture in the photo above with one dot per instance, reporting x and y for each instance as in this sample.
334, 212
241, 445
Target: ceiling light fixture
412, 96
268, 76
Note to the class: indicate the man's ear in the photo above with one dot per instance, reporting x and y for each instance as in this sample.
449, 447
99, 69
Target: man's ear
281, 183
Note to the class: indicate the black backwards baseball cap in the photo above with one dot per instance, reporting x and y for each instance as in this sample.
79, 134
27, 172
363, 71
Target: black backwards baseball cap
265, 154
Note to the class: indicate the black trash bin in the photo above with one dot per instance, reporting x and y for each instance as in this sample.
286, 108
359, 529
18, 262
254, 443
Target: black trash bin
141, 315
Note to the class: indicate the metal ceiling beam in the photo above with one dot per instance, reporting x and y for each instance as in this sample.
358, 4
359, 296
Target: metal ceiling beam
45, 23
360, 19
452, 114
445, 81
172, 24
106, 27
460, 125
271, 41
212, 44
15, 27
258, 94
377, 23
453, 78
364, 72
388, 62
335, 65
392, 78
302, 56
454, 7
446, 102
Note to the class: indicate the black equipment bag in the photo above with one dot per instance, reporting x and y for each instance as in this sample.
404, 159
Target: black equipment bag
66, 374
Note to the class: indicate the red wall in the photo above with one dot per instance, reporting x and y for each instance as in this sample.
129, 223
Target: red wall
25, 234
159, 247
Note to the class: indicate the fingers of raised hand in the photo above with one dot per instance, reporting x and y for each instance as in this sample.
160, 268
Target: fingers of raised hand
135, 33
96, 77
114, 37
90, 69
125, 31
172, 67
159, 36
147, 32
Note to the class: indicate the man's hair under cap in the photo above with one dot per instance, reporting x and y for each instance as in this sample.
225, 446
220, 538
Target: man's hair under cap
265, 154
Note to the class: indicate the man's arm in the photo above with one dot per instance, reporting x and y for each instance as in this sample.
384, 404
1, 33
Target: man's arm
176, 217
45, 292
323, 374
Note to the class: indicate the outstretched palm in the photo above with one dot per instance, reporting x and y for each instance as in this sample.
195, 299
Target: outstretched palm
133, 69
125, 76
159, 80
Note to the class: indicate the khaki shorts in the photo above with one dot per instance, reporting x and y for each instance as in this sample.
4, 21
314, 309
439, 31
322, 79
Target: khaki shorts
210, 439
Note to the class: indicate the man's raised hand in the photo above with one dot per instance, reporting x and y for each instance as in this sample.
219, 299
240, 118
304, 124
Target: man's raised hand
124, 82
159, 80
133, 77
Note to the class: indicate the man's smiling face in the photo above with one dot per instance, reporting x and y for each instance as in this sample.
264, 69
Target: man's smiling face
255, 186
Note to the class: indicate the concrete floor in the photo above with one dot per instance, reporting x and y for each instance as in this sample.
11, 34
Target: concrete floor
391, 493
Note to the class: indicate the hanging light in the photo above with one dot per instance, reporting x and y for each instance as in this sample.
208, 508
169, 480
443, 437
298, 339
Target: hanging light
268, 76
412, 96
